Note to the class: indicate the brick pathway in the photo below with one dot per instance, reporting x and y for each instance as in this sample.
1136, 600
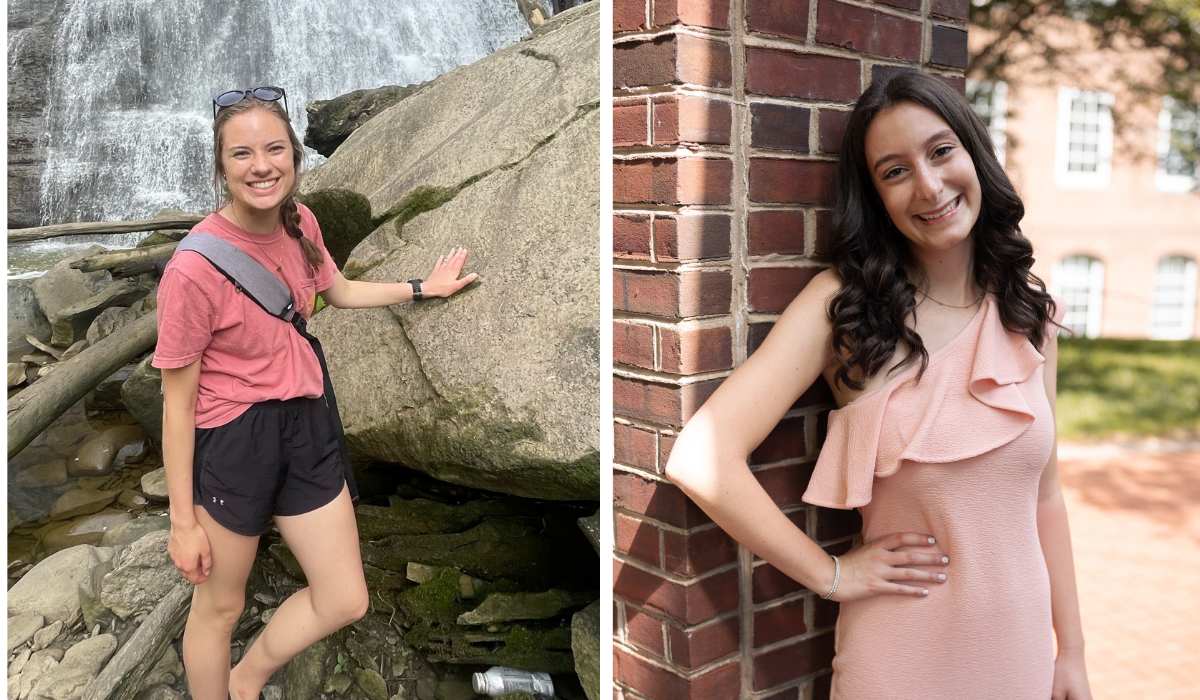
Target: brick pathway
1135, 524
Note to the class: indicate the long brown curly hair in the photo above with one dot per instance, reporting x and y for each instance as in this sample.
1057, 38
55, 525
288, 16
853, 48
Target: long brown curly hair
874, 260
289, 214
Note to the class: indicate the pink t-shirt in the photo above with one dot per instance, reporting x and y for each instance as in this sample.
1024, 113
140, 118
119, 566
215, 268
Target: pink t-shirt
246, 355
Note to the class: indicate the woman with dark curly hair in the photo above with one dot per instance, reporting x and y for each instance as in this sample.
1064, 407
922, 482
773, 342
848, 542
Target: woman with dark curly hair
940, 347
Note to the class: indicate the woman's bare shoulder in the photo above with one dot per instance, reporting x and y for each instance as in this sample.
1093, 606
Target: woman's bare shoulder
813, 300
804, 326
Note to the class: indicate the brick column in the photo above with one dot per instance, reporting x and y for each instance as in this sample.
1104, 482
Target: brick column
727, 117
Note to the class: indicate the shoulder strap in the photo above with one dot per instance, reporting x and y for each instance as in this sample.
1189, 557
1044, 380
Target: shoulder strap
247, 274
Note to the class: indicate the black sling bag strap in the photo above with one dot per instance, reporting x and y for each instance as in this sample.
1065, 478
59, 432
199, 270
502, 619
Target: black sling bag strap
270, 293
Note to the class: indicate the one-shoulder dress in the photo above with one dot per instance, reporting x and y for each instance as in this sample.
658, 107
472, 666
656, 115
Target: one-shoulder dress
959, 456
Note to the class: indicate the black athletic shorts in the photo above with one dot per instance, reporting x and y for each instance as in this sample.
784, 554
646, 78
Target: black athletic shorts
277, 458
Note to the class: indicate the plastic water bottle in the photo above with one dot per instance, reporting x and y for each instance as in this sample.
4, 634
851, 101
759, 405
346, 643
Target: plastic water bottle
500, 680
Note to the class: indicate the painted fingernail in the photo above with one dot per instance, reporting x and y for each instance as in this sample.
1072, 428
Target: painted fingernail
930, 540
925, 591
945, 560
941, 577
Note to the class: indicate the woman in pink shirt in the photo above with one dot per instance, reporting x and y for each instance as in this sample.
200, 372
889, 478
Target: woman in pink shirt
248, 437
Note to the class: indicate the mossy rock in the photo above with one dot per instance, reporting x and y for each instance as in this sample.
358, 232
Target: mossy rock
421, 517
344, 217
496, 387
585, 643
431, 610
170, 235
494, 549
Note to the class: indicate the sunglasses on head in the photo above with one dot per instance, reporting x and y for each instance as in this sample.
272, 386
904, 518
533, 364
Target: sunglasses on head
232, 97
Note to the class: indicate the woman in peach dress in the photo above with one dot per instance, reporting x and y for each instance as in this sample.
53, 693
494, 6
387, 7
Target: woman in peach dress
940, 347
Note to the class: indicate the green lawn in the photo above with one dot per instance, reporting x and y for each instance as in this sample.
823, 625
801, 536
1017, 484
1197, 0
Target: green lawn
1110, 388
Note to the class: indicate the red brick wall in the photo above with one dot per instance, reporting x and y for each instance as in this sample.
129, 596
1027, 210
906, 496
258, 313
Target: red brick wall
727, 116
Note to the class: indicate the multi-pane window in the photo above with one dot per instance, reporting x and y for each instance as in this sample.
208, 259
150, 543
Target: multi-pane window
1083, 147
1178, 142
1174, 299
1079, 280
990, 100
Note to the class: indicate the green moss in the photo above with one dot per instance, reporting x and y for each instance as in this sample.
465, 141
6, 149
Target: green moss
162, 237
417, 202
344, 217
435, 600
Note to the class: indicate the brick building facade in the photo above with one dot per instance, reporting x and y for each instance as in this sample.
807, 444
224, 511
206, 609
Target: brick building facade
1114, 224
727, 118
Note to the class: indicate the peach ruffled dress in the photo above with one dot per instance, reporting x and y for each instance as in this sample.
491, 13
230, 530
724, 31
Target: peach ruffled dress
959, 456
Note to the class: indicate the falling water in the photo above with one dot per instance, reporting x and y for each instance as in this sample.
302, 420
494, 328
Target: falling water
129, 115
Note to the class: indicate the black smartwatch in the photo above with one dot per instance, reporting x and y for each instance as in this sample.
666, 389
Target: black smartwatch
416, 285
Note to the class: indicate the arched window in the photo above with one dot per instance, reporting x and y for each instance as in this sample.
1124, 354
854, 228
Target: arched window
1174, 299
1080, 281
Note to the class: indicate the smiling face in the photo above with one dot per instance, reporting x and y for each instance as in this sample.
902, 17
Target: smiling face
924, 176
257, 160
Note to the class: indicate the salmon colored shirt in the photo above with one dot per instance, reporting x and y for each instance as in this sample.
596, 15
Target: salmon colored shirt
246, 355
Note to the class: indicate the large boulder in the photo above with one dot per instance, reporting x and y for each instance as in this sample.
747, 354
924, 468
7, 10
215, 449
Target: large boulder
70, 324
330, 122
61, 285
497, 387
50, 589
142, 395
142, 575
25, 317
106, 450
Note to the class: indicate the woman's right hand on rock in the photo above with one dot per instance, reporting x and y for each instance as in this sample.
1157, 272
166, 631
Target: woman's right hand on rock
191, 552
885, 567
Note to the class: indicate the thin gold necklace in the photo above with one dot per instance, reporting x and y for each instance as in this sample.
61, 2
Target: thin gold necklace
951, 306
282, 243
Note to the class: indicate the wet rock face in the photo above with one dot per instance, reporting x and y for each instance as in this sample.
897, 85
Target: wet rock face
98, 455
496, 387
31, 27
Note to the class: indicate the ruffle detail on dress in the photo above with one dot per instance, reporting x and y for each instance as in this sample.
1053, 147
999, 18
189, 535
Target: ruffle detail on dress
978, 379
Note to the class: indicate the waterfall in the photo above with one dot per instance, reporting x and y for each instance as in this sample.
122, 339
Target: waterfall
129, 115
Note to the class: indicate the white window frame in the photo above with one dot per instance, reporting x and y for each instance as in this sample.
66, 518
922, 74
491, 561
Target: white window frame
1076, 180
1095, 291
997, 118
1188, 312
1164, 181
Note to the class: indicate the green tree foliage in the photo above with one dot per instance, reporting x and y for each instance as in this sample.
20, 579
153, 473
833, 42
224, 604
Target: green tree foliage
1170, 27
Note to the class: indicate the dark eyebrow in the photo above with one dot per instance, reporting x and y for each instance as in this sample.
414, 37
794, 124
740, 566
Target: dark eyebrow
939, 135
276, 142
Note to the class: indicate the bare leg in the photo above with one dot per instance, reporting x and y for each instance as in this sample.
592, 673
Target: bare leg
325, 542
216, 606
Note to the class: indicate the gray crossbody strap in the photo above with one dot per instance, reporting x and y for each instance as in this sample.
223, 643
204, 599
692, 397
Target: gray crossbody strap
247, 274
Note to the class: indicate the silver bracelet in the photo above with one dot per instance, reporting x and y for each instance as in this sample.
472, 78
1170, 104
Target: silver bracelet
837, 575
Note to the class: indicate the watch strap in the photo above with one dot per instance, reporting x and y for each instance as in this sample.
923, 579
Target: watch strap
416, 285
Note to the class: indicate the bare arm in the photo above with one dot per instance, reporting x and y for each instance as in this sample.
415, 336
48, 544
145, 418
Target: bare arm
1070, 676
188, 545
442, 282
709, 460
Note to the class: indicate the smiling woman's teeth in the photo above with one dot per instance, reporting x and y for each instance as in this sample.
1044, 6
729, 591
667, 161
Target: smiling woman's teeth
264, 185
930, 217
